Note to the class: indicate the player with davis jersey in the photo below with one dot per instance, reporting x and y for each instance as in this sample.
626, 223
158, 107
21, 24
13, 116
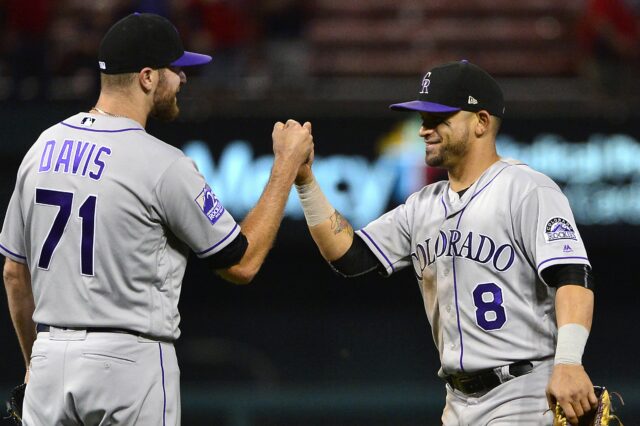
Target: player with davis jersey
503, 272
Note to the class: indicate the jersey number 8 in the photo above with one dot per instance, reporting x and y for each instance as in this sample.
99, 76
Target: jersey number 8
490, 314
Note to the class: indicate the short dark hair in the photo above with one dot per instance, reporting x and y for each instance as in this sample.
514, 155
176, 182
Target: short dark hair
117, 81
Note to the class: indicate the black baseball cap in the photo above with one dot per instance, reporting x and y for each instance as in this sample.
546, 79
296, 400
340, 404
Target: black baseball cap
457, 86
144, 40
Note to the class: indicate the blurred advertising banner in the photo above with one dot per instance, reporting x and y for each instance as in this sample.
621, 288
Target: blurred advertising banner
600, 173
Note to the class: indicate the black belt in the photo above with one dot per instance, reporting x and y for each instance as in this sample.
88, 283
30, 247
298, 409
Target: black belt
44, 328
485, 380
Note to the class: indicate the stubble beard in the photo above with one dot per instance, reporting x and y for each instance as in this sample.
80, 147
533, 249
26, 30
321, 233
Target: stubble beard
165, 106
449, 152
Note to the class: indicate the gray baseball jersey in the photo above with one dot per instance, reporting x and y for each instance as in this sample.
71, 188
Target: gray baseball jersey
478, 259
104, 215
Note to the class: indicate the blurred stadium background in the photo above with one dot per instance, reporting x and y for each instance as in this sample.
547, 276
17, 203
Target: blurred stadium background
302, 346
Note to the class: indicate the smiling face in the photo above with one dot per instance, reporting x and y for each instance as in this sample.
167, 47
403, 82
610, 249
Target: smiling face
446, 137
165, 103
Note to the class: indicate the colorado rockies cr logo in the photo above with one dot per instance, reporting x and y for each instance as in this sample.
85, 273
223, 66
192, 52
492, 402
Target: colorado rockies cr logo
425, 83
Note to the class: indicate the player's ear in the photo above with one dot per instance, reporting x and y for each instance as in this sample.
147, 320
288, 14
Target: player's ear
483, 124
148, 79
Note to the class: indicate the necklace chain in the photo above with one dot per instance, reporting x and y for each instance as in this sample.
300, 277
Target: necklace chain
103, 112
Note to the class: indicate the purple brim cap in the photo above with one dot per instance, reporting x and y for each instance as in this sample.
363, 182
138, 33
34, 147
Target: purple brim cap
423, 106
190, 58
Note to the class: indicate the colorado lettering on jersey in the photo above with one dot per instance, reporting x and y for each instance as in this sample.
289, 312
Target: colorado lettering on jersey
477, 247
74, 157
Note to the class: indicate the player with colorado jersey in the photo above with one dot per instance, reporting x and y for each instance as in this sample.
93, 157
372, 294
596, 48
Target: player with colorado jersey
502, 270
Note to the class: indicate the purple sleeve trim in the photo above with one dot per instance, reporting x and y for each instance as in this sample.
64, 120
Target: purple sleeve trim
164, 390
101, 131
378, 248
561, 258
219, 242
12, 253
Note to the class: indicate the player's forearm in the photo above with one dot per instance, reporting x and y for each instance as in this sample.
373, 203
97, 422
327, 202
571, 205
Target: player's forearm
574, 311
261, 224
332, 232
17, 283
333, 237
574, 305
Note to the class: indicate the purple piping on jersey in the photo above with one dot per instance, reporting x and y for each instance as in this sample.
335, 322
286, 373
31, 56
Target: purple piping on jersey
561, 258
446, 213
164, 391
101, 131
453, 264
378, 248
219, 242
12, 253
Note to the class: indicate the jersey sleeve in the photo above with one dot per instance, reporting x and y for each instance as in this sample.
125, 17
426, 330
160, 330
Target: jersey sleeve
548, 230
191, 210
12, 243
388, 237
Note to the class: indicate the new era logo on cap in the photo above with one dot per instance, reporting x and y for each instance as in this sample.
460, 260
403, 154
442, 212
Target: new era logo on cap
472, 100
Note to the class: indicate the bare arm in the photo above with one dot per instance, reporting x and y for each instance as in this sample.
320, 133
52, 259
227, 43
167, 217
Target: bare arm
569, 384
333, 237
332, 232
17, 282
292, 145
574, 305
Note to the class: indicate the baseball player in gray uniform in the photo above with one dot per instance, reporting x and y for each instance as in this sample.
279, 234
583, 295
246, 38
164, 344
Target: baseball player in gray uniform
502, 270
97, 234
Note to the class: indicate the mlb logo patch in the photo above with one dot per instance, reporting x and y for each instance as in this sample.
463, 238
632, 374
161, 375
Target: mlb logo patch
211, 207
559, 228
88, 121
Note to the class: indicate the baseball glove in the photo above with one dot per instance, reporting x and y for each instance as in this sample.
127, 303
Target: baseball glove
14, 404
602, 415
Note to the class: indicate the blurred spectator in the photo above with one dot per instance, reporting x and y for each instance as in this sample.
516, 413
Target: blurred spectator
77, 30
608, 31
224, 28
285, 46
26, 47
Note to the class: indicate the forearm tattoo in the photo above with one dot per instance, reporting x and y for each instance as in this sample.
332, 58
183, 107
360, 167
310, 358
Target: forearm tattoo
339, 223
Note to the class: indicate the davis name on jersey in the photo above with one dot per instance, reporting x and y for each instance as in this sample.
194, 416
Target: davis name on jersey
74, 157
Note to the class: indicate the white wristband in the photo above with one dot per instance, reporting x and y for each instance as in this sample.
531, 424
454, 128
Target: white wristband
572, 339
315, 205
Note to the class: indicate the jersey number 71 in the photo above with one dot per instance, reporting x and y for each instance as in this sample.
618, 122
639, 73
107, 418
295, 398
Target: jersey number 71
87, 213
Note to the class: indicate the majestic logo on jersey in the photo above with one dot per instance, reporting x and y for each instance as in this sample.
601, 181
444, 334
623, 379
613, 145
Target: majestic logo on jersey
477, 247
209, 204
425, 83
559, 229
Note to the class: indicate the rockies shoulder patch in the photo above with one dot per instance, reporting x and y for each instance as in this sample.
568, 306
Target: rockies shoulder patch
559, 228
211, 207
